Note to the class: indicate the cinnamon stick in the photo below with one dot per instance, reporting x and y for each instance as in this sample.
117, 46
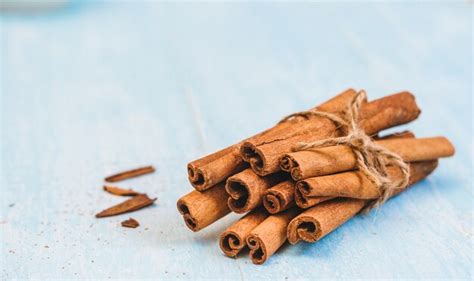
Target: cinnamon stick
269, 236
334, 159
355, 184
233, 240
318, 221
130, 174
120, 191
304, 202
384, 113
130, 205
246, 189
205, 172
200, 209
279, 197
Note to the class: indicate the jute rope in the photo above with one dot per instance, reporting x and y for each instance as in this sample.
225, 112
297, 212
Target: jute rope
372, 159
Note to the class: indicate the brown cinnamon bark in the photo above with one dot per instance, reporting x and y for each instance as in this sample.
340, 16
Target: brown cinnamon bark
279, 197
233, 240
318, 221
267, 237
334, 159
130, 223
135, 203
204, 173
130, 174
246, 189
120, 191
355, 184
384, 113
216, 167
200, 209
305, 202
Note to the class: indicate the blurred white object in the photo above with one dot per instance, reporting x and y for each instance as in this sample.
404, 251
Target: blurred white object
31, 5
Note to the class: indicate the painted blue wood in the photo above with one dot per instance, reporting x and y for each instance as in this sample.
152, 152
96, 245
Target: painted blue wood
96, 88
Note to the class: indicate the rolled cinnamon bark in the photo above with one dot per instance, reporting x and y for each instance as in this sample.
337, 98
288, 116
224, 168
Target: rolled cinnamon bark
200, 209
246, 189
354, 184
279, 197
204, 173
267, 237
384, 113
318, 221
207, 171
334, 159
304, 202
233, 240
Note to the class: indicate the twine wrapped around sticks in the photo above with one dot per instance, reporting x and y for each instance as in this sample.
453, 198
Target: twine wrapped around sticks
372, 159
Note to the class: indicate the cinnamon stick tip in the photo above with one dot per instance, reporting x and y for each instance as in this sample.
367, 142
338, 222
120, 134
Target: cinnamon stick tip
304, 228
230, 243
286, 163
302, 187
271, 202
258, 253
238, 195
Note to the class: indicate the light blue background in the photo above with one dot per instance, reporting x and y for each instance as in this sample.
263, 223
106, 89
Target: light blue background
95, 88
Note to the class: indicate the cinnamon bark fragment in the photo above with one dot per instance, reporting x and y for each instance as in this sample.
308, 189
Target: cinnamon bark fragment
384, 113
246, 189
318, 221
120, 191
130, 174
130, 205
200, 209
131, 223
207, 171
334, 159
233, 240
269, 236
279, 197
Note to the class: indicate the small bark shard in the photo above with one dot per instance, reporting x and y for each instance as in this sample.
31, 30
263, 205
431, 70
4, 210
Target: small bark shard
130, 174
120, 191
131, 223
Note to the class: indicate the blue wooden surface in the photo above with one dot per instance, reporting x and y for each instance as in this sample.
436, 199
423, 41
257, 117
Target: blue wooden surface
96, 88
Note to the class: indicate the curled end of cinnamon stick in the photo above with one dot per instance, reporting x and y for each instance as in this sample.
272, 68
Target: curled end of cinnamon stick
231, 243
188, 218
238, 195
304, 228
305, 202
272, 203
287, 163
254, 157
296, 173
303, 187
258, 253
196, 177
300, 199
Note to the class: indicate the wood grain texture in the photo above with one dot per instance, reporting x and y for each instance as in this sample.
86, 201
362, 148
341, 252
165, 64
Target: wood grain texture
96, 88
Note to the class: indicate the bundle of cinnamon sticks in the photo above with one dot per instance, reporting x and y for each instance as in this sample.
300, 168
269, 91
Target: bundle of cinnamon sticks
290, 194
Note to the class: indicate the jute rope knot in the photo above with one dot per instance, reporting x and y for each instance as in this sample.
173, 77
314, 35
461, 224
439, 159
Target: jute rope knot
372, 159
